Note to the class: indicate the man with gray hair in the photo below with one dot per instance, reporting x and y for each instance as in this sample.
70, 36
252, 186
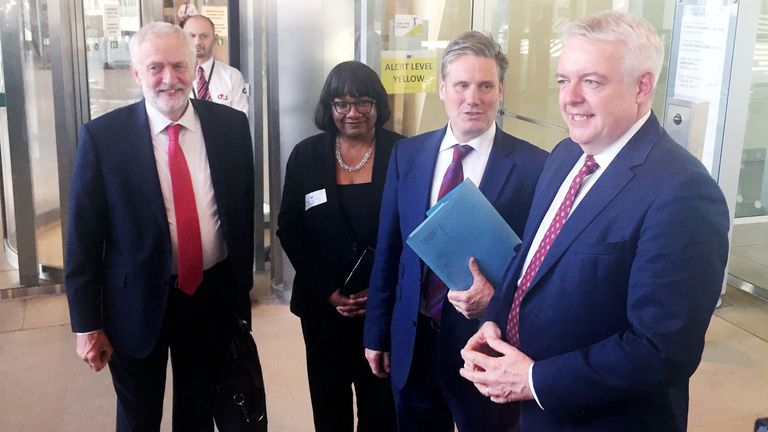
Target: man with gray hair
160, 238
414, 327
601, 319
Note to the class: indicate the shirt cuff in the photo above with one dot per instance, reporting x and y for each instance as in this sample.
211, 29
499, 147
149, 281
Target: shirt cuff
530, 384
87, 333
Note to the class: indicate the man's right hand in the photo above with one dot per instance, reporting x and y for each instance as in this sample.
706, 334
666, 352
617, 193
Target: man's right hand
378, 361
94, 348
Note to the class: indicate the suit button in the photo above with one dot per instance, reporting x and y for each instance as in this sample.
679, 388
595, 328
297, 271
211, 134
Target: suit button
354, 246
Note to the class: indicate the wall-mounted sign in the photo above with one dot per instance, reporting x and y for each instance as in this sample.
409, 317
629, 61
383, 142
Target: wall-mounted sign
111, 20
408, 25
700, 68
217, 14
409, 71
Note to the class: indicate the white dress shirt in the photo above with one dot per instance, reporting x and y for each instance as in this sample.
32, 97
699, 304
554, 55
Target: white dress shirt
604, 158
226, 85
193, 146
473, 163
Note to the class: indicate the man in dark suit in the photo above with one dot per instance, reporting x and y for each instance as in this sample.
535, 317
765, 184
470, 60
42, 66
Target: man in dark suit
418, 327
160, 238
604, 311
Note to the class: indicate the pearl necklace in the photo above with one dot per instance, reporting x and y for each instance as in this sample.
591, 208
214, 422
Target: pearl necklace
343, 165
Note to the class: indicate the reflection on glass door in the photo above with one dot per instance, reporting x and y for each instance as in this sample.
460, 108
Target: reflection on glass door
749, 248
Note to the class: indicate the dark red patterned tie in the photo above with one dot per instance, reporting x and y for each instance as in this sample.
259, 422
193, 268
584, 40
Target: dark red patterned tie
513, 320
202, 85
187, 224
435, 291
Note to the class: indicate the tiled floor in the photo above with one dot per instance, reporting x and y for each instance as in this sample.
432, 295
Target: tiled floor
45, 387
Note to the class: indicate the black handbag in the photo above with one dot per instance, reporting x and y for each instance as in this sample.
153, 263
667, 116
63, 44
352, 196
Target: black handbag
240, 399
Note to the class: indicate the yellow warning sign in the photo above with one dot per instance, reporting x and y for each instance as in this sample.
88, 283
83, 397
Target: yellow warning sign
409, 71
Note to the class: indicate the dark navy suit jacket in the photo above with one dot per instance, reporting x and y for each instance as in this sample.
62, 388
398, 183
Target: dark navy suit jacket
118, 261
616, 315
392, 311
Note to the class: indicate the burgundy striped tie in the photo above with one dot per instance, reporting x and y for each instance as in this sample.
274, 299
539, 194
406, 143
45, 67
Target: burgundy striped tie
513, 320
202, 85
434, 294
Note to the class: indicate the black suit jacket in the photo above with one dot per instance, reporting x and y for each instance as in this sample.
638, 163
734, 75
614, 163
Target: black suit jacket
318, 241
118, 261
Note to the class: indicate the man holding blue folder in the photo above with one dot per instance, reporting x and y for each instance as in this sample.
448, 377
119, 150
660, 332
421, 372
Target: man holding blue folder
603, 313
413, 330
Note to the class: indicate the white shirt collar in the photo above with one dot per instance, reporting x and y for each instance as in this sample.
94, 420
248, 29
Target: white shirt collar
206, 68
605, 157
482, 143
158, 122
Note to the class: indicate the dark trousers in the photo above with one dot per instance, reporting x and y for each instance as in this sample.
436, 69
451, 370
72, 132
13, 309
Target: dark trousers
195, 331
336, 362
435, 395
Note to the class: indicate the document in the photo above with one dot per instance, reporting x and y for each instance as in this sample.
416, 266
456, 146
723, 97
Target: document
461, 225
357, 280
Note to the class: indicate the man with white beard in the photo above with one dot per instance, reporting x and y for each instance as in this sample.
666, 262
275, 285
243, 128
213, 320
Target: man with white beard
160, 238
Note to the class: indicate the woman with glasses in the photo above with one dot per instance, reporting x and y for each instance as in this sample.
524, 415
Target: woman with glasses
329, 217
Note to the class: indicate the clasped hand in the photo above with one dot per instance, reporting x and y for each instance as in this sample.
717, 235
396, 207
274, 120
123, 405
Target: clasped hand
498, 370
349, 306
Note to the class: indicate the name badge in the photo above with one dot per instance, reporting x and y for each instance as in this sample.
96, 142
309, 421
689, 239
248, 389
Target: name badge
314, 198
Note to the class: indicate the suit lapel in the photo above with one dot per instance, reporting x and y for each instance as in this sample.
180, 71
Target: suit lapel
424, 170
553, 176
139, 139
499, 167
215, 150
611, 182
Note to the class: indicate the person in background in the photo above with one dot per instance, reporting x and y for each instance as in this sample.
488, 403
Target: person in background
327, 225
214, 81
160, 238
186, 10
413, 329
603, 314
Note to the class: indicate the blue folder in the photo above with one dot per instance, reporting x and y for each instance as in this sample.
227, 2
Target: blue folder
461, 225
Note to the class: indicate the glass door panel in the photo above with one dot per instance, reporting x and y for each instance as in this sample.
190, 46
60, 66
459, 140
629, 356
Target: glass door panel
433, 25
749, 247
109, 26
38, 86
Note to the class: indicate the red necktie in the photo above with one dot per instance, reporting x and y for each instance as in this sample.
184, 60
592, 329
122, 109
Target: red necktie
202, 85
187, 224
513, 321
436, 290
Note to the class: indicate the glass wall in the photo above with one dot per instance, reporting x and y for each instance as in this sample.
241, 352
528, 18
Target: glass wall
38, 86
749, 248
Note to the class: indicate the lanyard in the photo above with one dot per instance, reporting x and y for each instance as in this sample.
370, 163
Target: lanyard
210, 74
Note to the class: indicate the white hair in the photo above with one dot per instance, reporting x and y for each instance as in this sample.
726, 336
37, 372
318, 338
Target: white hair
644, 50
157, 29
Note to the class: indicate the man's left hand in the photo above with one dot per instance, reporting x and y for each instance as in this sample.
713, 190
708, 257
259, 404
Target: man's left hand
496, 368
472, 302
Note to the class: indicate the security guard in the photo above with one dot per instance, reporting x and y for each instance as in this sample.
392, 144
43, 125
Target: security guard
214, 80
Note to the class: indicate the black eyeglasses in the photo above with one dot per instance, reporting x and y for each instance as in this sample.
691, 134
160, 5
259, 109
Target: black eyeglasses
363, 106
